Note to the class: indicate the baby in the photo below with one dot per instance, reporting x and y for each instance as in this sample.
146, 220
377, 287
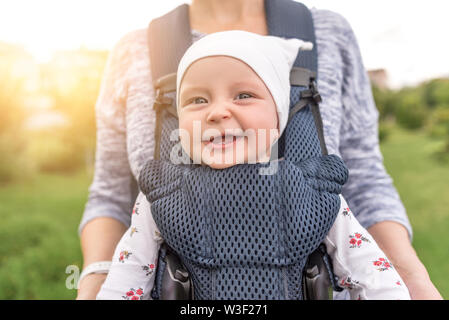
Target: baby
233, 92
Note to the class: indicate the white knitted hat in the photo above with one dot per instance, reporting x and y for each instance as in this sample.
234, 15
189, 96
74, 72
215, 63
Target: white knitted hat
270, 57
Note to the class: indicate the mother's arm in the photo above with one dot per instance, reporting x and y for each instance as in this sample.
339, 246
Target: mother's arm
370, 191
107, 214
99, 239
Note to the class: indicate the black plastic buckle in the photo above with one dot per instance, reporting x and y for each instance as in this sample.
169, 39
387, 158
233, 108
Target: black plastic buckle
315, 94
312, 93
327, 262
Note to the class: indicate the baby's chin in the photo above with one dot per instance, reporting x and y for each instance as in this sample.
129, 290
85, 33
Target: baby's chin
221, 165
224, 165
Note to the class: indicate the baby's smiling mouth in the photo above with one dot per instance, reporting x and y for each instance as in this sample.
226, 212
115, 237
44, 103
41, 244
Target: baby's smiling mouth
222, 141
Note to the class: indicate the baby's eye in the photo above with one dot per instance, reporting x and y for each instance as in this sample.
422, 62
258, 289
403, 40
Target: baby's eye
244, 95
198, 100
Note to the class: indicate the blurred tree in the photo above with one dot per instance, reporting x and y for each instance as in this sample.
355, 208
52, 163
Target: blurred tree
387, 102
12, 115
439, 125
436, 92
411, 110
73, 80
436, 95
384, 102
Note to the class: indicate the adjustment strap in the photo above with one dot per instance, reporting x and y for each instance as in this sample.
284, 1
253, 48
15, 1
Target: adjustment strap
159, 105
169, 36
301, 104
163, 85
319, 126
330, 270
301, 76
315, 98
306, 78
156, 292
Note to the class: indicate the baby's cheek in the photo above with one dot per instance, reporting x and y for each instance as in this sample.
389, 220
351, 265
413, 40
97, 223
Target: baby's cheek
259, 142
271, 136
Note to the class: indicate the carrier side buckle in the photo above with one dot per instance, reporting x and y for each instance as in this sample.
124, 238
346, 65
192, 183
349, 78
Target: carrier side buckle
312, 93
315, 94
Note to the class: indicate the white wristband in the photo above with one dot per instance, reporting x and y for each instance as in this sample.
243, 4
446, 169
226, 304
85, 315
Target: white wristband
95, 267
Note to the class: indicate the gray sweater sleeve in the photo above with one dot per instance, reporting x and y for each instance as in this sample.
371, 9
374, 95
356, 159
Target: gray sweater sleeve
113, 189
369, 191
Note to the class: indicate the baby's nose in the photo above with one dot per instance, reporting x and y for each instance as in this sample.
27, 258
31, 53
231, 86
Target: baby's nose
219, 113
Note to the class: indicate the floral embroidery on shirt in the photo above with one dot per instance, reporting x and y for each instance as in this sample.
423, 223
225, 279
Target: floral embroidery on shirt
399, 283
124, 255
133, 230
382, 264
134, 294
136, 208
356, 240
346, 212
149, 268
348, 283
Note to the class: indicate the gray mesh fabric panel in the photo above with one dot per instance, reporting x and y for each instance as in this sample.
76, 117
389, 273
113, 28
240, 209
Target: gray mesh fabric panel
240, 234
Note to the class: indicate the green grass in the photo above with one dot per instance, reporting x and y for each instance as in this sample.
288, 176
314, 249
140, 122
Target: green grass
40, 218
39, 236
422, 182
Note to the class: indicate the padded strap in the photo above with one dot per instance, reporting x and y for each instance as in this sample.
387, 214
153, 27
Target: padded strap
301, 76
291, 19
169, 36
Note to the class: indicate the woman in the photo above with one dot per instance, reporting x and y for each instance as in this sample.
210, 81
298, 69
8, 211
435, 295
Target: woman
125, 124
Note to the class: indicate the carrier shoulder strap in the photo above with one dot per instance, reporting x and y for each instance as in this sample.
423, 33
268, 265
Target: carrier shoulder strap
169, 36
291, 19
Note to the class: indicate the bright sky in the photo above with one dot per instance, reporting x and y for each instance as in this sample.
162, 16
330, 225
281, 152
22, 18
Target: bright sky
408, 38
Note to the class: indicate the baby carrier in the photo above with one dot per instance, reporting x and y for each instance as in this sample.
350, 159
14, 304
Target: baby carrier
236, 233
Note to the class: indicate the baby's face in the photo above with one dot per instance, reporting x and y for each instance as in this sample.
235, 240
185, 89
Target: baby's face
226, 113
